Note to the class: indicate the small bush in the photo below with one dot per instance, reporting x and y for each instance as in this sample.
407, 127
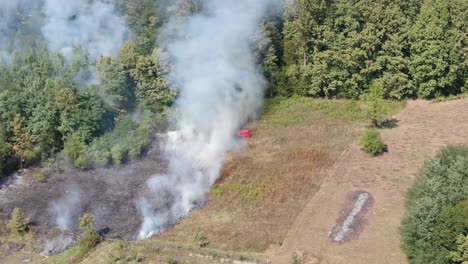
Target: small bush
372, 142
74, 148
460, 255
171, 260
296, 259
200, 239
90, 240
135, 152
118, 154
86, 222
17, 225
82, 162
102, 157
39, 175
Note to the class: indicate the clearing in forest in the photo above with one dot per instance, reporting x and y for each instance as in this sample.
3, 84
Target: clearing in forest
423, 128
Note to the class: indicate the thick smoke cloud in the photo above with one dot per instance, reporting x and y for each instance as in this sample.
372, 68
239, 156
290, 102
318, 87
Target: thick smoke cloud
16, 16
95, 26
220, 89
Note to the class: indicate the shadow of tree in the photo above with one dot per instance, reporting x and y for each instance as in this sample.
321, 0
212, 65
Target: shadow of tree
389, 123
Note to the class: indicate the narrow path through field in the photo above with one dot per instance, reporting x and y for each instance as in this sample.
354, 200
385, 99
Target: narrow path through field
423, 128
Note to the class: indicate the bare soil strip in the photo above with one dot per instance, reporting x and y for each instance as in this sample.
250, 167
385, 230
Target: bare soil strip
423, 128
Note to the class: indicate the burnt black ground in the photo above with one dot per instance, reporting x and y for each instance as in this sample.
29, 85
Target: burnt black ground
109, 194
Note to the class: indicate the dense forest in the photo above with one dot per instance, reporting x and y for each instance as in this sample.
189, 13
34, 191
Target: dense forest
314, 48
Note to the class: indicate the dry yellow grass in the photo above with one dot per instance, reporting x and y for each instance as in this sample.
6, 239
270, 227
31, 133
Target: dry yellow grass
260, 193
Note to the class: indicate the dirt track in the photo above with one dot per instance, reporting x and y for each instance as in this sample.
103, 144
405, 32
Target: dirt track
423, 128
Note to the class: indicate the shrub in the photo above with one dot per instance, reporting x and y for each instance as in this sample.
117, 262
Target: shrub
171, 260
86, 222
17, 225
39, 175
118, 154
101, 157
74, 148
128, 138
135, 152
432, 210
372, 142
90, 240
296, 259
200, 239
82, 162
460, 255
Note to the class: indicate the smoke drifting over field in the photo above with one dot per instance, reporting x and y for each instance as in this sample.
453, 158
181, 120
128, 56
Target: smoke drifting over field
220, 88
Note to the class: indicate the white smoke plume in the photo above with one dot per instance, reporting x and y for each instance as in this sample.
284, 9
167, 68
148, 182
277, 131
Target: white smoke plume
57, 245
220, 89
65, 210
93, 25
15, 16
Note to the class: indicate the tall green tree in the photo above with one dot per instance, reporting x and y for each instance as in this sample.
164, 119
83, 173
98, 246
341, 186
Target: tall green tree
302, 30
152, 90
430, 50
115, 84
4, 150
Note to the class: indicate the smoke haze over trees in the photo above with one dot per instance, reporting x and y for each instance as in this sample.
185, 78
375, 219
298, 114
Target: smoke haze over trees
316, 48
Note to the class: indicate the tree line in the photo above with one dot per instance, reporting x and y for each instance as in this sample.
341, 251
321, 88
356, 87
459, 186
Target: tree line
412, 48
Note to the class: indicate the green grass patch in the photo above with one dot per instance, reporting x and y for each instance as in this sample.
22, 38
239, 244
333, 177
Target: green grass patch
296, 110
260, 191
218, 191
72, 255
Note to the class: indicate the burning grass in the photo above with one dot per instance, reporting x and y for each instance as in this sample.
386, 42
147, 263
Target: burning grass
252, 205
258, 196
